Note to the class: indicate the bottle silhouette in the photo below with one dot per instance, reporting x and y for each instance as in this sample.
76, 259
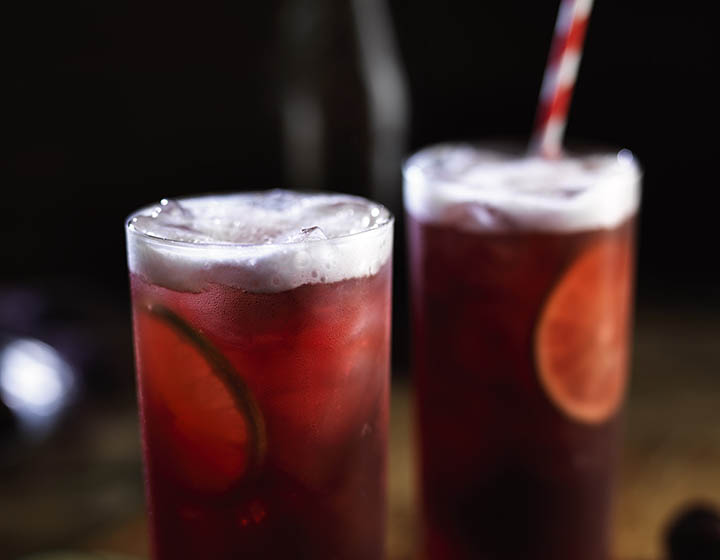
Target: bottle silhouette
343, 98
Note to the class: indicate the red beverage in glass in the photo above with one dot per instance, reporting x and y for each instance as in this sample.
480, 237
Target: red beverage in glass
521, 275
263, 374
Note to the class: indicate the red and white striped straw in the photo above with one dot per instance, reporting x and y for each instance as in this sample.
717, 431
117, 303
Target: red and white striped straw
559, 79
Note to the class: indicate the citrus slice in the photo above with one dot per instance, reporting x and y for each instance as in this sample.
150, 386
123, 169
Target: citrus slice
581, 343
204, 423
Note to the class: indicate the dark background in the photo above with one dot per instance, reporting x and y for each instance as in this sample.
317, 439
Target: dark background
111, 105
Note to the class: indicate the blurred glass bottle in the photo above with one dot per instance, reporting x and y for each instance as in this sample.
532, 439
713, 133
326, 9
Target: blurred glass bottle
344, 101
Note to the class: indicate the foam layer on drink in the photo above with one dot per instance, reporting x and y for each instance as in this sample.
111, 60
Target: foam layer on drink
262, 242
479, 189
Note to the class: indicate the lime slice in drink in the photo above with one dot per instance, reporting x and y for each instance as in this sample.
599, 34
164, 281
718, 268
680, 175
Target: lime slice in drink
581, 342
205, 425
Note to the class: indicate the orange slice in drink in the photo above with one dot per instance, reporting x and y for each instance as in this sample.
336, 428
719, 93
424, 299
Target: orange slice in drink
581, 342
203, 424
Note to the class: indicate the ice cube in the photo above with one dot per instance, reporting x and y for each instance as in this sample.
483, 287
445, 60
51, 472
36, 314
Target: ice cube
478, 214
312, 233
172, 208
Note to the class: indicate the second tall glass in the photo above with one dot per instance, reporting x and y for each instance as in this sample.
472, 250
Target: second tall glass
521, 276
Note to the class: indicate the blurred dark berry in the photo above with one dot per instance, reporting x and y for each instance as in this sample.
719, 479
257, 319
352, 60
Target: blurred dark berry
694, 534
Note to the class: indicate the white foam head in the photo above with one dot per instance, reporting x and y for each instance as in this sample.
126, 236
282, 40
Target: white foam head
478, 189
262, 242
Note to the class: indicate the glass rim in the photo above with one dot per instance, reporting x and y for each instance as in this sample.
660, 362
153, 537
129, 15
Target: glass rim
516, 148
602, 188
130, 230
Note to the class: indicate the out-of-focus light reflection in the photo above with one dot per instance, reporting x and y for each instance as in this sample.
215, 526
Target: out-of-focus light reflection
625, 156
35, 382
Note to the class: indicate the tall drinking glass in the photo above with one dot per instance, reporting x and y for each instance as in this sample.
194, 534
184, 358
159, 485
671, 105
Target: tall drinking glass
262, 329
521, 281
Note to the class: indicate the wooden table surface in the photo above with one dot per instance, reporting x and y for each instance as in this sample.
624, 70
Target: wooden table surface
671, 452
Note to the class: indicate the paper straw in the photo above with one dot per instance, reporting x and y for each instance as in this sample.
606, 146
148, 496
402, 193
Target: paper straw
559, 79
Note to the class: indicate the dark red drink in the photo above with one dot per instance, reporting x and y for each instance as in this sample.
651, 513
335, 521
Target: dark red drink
264, 411
520, 327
